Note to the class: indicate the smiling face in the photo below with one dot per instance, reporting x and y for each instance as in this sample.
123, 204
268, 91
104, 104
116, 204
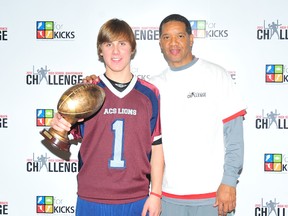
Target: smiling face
116, 46
116, 55
176, 44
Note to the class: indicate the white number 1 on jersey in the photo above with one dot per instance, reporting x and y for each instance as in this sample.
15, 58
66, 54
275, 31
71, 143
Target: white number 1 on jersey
117, 160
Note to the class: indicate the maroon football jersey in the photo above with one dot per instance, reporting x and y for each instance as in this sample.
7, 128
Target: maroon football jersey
117, 141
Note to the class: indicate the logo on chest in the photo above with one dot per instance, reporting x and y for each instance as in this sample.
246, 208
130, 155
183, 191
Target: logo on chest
196, 94
121, 111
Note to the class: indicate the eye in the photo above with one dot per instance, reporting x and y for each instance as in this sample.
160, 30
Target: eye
107, 44
181, 36
165, 37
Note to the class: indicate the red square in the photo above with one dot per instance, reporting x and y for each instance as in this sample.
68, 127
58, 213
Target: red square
41, 34
40, 121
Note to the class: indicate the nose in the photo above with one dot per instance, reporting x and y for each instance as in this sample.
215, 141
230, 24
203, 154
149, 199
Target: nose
115, 49
174, 40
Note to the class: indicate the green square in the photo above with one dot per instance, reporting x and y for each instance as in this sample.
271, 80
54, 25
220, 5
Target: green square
277, 158
278, 69
201, 24
49, 200
49, 113
49, 25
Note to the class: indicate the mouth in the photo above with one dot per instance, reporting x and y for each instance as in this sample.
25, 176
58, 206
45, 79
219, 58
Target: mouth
116, 59
174, 51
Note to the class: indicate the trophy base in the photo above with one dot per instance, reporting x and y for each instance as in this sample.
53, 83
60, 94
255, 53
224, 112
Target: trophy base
56, 140
51, 143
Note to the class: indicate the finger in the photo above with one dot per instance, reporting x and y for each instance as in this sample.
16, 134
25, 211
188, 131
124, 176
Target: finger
65, 126
228, 207
87, 79
144, 212
59, 126
58, 116
95, 79
232, 206
54, 121
61, 120
220, 209
59, 123
64, 122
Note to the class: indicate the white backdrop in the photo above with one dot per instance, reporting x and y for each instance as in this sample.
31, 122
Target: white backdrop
237, 35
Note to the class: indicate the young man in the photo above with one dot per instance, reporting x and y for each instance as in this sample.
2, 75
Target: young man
121, 145
202, 129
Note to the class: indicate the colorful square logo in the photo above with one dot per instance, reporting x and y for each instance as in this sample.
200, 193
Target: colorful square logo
274, 73
45, 29
44, 117
273, 162
198, 28
45, 204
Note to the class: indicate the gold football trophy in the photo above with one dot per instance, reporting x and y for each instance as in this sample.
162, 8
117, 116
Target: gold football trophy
77, 102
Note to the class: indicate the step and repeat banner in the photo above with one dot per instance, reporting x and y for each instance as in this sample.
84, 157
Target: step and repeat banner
46, 47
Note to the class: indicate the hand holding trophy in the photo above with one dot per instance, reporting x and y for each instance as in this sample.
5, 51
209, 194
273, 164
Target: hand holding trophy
77, 102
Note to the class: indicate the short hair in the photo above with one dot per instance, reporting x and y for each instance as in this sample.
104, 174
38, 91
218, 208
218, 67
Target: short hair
179, 18
115, 29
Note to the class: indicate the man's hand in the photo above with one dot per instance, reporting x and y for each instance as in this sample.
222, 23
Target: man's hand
225, 199
91, 79
59, 123
152, 206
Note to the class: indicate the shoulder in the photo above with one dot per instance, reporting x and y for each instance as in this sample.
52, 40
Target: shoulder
213, 70
146, 87
157, 79
210, 65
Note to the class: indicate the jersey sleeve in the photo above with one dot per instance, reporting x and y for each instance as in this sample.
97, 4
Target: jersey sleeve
76, 132
155, 122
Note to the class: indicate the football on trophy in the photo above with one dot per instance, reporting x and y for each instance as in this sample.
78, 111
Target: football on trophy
80, 101
77, 102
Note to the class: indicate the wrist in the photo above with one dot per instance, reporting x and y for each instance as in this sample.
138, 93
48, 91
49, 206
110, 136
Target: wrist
156, 194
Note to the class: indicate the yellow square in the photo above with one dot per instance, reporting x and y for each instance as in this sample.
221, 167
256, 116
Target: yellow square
278, 167
49, 34
49, 208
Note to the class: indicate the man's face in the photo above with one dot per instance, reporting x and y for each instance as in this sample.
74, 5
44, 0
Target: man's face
176, 44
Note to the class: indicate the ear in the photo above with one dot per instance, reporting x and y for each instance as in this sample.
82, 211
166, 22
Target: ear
191, 39
133, 53
160, 46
